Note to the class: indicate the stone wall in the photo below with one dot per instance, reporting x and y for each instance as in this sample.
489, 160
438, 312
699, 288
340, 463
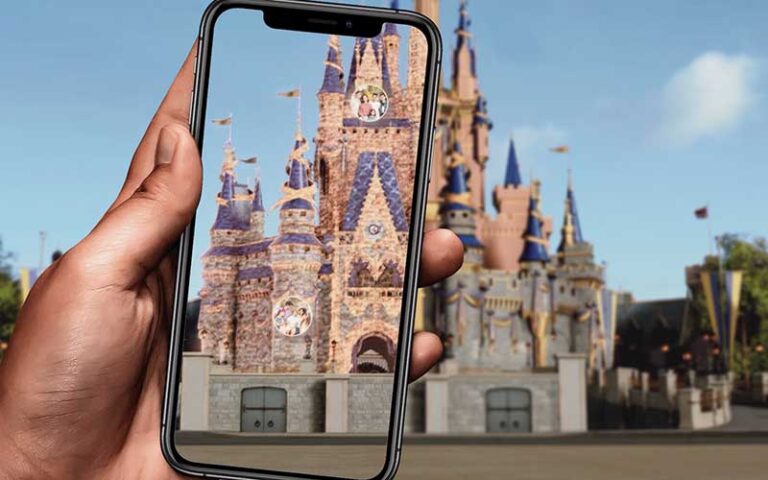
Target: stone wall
467, 408
370, 397
305, 409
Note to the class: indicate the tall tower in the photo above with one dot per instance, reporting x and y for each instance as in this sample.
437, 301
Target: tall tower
220, 268
535, 243
430, 8
503, 236
295, 256
329, 151
391, 42
464, 75
458, 292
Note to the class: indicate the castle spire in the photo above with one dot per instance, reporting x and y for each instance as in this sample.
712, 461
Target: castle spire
297, 191
512, 176
333, 80
353, 65
258, 204
456, 192
535, 247
464, 77
226, 216
391, 28
571, 232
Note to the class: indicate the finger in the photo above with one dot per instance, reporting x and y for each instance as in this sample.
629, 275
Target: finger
426, 351
174, 109
131, 239
441, 256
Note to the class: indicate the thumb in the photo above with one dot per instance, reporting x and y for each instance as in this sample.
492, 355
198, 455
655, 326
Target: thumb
131, 239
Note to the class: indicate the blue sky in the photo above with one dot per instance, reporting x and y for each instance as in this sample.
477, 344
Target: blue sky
662, 103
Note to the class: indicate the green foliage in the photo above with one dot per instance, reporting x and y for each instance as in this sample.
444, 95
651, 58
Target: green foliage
10, 297
751, 257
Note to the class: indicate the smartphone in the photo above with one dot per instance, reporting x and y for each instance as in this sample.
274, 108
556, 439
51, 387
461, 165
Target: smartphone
297, 279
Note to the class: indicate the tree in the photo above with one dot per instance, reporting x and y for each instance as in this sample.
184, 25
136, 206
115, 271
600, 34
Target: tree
751, 257
10, 297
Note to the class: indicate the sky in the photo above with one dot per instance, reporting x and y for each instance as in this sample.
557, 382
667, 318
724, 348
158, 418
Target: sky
661, 102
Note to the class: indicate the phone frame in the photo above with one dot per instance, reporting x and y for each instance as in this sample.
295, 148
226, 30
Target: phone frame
413, 254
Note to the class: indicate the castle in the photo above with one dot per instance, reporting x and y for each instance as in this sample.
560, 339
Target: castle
509, 319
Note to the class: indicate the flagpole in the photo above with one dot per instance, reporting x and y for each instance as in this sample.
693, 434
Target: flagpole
42, 252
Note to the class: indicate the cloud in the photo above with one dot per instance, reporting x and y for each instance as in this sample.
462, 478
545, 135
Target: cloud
707, 97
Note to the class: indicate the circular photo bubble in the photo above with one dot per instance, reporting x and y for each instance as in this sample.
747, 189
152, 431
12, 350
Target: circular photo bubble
291, 317
369, 103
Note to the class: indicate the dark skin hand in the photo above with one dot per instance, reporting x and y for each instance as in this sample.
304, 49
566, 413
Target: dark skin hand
81, 383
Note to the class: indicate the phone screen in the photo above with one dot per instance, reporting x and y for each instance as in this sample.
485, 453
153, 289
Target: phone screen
300, 247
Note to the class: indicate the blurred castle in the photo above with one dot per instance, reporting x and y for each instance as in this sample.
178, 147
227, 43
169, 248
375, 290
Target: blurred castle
345, 273
512, 306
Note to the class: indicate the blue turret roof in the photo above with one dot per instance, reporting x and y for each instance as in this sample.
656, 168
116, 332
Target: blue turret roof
356, 52
257, 205
228, 215
298, 180
512, 176
386, 82
456, 191
481, 112
333, 80
535, 247
391, 28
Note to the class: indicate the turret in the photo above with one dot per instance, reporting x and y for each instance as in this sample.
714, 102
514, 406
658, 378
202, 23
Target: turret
464, 76
257, 213
481, 126
457, 211
331, 93
229, 218
573, 248
391, 58
535, 246
296, 256
369, 70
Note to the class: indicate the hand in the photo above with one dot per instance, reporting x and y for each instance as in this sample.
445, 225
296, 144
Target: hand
81, 383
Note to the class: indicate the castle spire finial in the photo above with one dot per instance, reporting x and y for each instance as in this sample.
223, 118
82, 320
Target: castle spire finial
333, 80
535, 246
512, 177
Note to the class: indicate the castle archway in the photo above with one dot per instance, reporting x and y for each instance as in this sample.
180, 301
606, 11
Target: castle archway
373, 353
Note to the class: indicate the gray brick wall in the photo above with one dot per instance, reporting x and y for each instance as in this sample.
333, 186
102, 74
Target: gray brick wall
305, 397
466, 412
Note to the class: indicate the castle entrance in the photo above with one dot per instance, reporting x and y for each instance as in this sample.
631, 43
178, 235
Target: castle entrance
508, 410
374, 353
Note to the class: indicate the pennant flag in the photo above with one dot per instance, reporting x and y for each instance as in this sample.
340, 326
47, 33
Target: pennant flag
732, 300
560, 149
608, 311
249, 160
223, 121
27, 277
290, 93
701, 213
710, 283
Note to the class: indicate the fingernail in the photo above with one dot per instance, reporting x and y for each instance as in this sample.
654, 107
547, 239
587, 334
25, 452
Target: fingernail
166, 145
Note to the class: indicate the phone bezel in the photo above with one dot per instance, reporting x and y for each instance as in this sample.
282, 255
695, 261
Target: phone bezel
421, 180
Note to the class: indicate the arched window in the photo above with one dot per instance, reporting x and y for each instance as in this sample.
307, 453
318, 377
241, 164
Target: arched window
263, 409
360, 276
323, 176
374, 353
389, 275
508, 410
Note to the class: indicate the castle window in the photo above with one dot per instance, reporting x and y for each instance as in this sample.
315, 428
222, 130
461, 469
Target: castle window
323, 176
573, 292
389, 275
562, 290
465, 215
360, 276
